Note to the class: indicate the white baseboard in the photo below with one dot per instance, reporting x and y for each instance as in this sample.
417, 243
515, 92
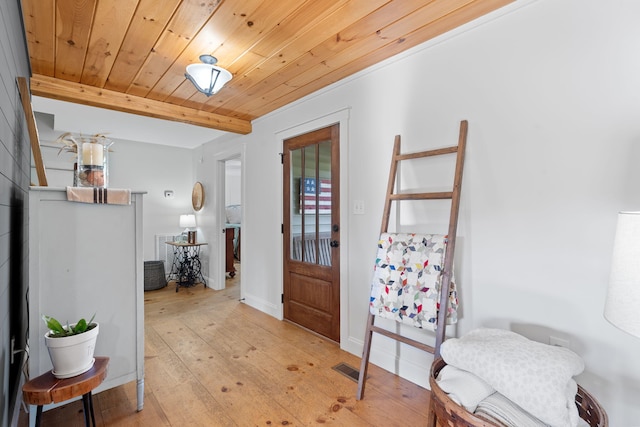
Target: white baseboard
274, 310
213, 285
390, 359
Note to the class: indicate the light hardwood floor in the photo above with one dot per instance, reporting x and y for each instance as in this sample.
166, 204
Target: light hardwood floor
211, 360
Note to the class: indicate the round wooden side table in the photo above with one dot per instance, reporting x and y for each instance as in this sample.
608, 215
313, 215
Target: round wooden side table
47, 389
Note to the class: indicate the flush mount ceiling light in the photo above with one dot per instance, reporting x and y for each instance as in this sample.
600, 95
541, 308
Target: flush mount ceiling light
206, 77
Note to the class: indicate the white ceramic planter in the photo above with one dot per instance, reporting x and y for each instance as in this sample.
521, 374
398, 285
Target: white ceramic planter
72, 355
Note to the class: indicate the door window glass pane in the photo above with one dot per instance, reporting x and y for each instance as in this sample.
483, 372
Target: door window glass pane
310, 216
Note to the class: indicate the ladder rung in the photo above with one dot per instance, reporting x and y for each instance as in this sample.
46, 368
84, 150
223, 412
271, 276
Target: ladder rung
421, 196
428, 153
405, 340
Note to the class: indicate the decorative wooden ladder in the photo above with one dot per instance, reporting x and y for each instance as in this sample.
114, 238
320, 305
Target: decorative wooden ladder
454, 196
25, 97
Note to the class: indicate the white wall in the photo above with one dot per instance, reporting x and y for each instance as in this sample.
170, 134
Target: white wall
551, 90
232, 182
154, 169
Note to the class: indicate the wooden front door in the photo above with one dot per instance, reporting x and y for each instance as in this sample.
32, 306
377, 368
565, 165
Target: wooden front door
311, 295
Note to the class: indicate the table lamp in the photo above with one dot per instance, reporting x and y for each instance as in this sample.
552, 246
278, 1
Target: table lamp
622, 306
188, 221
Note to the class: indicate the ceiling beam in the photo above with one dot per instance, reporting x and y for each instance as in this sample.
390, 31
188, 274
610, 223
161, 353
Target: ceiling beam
63, 90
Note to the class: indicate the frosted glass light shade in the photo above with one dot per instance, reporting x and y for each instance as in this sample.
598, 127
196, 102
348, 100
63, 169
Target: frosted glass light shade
622, 306
206, 77
188, 221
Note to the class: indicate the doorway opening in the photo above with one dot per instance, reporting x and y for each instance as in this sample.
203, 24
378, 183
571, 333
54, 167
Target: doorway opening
232, 218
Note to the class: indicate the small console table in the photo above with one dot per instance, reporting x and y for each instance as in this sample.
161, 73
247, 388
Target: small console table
186, 268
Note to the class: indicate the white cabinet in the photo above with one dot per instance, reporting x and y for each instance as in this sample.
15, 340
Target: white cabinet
86, 259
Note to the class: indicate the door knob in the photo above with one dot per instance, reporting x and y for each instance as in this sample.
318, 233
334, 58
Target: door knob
334, 243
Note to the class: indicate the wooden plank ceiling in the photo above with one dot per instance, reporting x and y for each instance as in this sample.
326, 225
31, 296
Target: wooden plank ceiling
130, 55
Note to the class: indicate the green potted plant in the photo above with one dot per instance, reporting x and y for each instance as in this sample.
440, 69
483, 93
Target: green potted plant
71, 347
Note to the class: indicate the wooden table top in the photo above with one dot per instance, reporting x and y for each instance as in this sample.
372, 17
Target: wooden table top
185, 244
47, 388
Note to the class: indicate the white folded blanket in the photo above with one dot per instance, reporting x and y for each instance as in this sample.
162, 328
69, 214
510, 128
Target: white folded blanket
535, 376
500, 410
464, 388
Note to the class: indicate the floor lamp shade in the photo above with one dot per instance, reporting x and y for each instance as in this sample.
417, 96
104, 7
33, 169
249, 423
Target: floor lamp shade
622, 306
